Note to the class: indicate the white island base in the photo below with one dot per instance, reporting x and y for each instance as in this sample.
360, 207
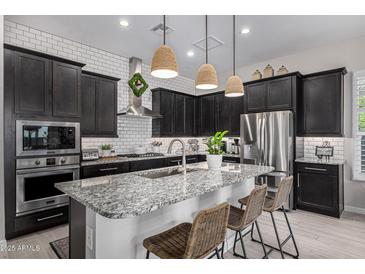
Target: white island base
122, 238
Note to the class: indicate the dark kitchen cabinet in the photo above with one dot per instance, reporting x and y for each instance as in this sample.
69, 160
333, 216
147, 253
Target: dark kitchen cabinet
231, 159
98, 105
237, 109
273, 94
256, 97
32, 84
206, 115
104, 170
178, 113
321, 109
163, 102
320, 188
66, 90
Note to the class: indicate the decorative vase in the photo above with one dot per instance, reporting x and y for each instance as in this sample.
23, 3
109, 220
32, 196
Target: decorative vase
268, 71
214, 161
282, 70
256, 75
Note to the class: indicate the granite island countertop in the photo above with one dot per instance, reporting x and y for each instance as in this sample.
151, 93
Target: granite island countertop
131, 194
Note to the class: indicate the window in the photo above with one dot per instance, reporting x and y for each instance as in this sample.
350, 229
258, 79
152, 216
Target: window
359, 125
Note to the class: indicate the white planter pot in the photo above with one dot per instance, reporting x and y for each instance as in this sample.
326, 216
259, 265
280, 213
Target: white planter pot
106, 153
214, 161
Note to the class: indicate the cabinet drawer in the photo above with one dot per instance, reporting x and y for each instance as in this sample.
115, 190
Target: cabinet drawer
104, 170
41, 220
317, 168
227, 159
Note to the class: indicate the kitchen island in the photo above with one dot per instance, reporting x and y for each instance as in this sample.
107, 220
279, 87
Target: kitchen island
110, 216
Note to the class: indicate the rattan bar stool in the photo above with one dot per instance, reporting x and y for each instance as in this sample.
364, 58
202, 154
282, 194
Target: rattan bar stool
240, 219
192, 241
272, 204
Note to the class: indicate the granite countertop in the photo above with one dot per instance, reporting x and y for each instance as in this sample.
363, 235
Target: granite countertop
130, 194
318, 161
120, 159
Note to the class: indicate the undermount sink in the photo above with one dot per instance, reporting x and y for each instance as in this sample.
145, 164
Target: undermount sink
166, 173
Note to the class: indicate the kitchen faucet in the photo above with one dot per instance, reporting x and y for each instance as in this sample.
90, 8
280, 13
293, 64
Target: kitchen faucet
183, 151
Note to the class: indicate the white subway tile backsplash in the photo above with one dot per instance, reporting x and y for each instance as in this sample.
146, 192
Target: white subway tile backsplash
131, 131
310, 144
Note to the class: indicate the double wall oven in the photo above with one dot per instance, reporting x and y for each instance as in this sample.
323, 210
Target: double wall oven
47, 153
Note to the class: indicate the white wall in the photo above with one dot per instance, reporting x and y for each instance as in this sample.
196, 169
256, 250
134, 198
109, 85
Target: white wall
349, 54
2, 218
131, 131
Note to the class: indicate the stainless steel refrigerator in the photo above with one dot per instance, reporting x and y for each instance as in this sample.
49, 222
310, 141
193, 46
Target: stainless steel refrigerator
268, 139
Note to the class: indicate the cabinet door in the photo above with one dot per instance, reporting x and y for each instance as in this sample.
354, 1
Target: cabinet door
279, 94
89, 87
318, 193
179, 115
256, 97
237, 108
32, 84
66, 90
104, 170
147, 164
167, 110
322, 105
223, 111
189, 116
206, 115
106, 108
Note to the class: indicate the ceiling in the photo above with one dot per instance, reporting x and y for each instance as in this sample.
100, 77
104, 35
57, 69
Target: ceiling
270, 36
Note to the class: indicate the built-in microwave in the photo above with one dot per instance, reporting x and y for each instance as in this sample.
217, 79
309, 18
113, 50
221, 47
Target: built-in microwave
36, 138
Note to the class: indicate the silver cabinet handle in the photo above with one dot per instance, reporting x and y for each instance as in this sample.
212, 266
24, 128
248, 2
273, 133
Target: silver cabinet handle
50, 217
229, 161
298, 184
192, 159
316, 169
108, 169
175, 161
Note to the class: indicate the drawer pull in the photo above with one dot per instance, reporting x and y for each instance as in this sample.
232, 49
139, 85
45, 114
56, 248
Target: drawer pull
108, 169
316, 169
175, 161
229, 161
50, 217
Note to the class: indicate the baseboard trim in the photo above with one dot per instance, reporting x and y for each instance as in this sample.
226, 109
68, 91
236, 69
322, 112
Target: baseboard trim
353, 209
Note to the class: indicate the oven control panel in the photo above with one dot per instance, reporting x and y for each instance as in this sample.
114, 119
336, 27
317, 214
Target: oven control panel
47, 161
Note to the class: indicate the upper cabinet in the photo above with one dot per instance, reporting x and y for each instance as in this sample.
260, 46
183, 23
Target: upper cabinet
272, 94
66, 90
32, 85
98, 105
206, 115
44, 85
320, 104
178, 113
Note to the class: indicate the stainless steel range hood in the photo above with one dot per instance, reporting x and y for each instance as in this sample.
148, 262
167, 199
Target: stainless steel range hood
135, 108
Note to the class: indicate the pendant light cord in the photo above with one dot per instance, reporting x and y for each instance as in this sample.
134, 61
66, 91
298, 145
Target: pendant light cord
206, 39
234, 44
164, 29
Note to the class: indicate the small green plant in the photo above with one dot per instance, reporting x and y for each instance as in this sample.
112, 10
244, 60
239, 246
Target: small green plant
106, 147
215, 143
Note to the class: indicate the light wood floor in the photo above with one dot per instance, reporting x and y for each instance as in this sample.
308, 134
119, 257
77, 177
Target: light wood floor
317, 236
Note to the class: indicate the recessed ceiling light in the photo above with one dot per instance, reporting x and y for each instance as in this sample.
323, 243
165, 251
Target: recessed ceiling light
124, 23
190, 53
245, 30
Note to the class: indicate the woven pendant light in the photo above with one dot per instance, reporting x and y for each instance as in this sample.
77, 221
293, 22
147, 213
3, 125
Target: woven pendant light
234, 86
207, 75
164, 60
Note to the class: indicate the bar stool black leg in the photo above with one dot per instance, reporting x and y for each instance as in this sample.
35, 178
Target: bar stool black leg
252, 228
147, 254
277, 235
261, 239
217, 253
291, 233
242, 245
222, 250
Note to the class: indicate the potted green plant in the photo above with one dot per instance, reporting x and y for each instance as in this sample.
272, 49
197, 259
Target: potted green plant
215, 144
106, 150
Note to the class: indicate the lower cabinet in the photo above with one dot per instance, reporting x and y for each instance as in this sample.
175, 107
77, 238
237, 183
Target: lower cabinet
229, 159
104, 170
40, 220
147, 164
320, 188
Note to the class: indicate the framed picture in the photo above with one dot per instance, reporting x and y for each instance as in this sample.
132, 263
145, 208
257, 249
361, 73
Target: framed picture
324, 151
